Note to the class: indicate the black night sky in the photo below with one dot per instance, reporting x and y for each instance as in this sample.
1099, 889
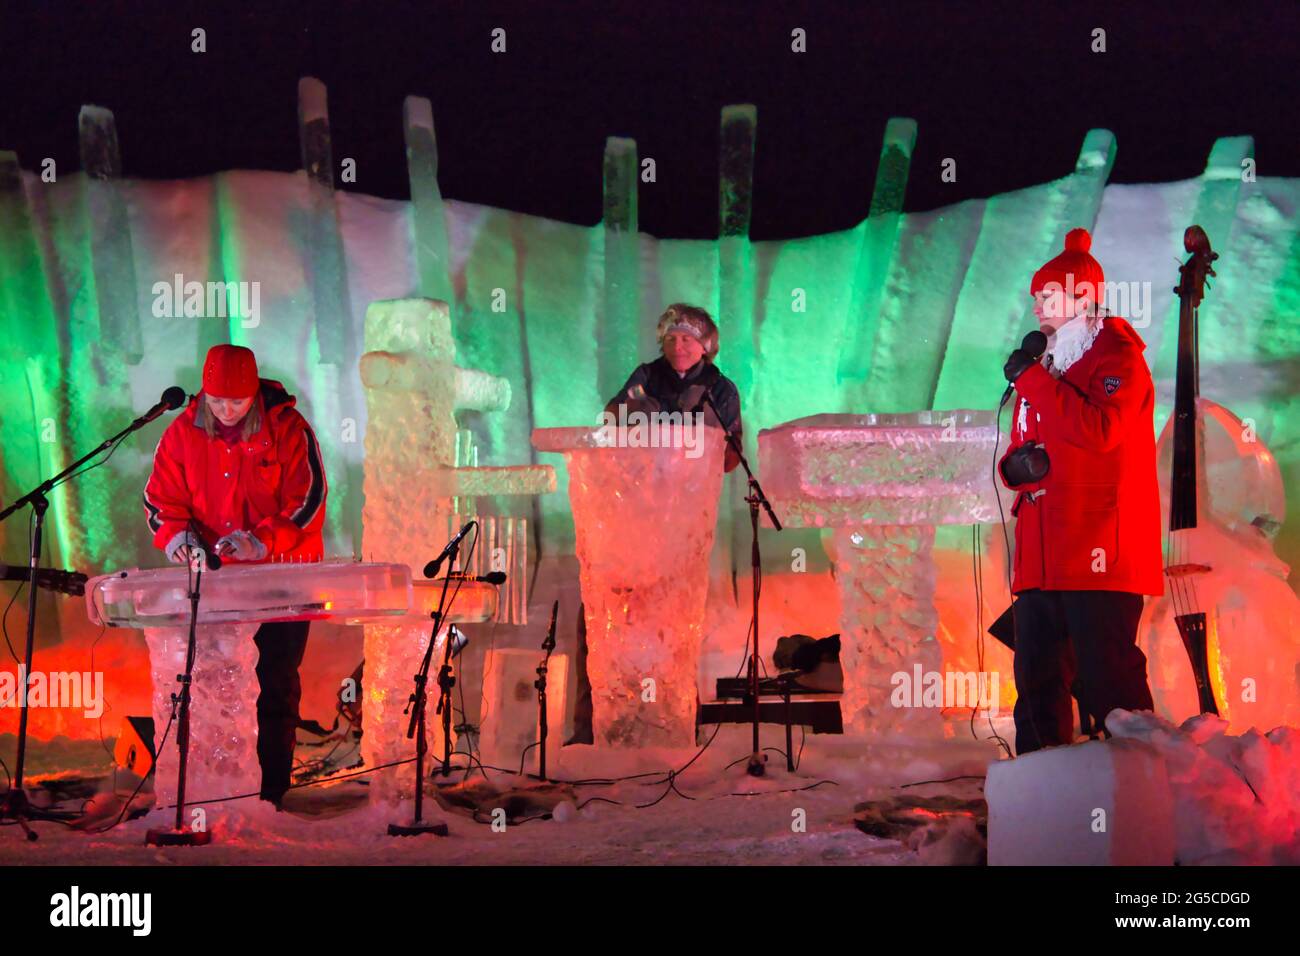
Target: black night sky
1008, 90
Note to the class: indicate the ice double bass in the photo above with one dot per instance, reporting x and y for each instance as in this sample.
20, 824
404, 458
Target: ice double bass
1227, 606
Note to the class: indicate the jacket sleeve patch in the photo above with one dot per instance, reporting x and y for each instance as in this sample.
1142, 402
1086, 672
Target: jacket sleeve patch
1111, 382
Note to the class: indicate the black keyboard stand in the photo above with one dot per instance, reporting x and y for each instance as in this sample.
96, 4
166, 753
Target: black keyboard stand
735, 705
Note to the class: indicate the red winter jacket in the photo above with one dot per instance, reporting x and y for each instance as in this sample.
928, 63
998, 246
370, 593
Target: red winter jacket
272, 485
1093, 523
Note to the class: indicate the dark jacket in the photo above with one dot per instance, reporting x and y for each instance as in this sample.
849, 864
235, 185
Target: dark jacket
674, 393
655, 386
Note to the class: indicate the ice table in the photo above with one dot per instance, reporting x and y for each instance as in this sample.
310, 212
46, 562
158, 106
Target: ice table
880, 484
644, 519
234, 602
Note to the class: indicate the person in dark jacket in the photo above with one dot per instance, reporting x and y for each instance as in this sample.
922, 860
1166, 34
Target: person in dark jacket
676, 380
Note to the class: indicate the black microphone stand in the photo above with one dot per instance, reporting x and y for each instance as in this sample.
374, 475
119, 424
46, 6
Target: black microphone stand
543, 723
446, 681
416, 707
14, 804
755, 498
181, 834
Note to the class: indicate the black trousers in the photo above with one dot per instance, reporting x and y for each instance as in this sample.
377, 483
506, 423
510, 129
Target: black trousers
280, 646
1068, 636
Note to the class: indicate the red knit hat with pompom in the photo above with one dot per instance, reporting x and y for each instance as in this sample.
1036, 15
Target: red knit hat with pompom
230, 371
1074, 270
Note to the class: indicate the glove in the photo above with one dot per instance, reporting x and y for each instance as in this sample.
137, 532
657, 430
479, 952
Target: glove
1028, 463
242, 546
1017, 363
178, 547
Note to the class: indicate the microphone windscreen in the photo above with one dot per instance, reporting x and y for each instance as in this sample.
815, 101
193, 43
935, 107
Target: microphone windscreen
1035, 343
495, 577
174, 397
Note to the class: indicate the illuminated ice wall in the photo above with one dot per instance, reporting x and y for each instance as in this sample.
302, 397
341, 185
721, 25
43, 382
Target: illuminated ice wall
906, 311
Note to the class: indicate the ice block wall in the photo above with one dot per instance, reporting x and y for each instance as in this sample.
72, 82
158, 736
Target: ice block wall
905, 311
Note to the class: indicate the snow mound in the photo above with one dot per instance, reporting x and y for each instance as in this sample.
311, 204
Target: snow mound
1236, 798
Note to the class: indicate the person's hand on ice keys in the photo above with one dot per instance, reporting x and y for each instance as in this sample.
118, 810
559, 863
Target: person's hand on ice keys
242, 546
178, 548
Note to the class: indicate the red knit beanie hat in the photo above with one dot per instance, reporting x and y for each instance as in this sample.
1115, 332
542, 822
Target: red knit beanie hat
230, 371
1074, 270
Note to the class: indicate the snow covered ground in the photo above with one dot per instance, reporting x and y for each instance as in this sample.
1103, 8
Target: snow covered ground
722, 816
1235, 800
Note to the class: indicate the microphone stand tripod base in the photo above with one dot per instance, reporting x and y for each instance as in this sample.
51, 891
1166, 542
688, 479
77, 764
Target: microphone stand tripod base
417, 829
757, 765
171, 836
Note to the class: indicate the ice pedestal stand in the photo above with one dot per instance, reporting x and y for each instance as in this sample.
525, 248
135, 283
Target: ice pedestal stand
644, 520
879, 485
223, 718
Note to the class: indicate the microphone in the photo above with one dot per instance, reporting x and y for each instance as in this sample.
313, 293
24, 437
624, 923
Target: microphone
548, 645
209, 556
431, 569
492, 577
172, 398
1034, 345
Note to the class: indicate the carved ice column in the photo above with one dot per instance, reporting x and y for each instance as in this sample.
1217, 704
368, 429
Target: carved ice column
880, 484
644, 520
413, 388
223, 714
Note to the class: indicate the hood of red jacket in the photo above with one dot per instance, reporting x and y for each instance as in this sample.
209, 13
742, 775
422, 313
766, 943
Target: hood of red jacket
1124, 330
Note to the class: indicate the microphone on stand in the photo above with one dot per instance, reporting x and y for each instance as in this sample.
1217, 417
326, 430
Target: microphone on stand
431, 569
492, 577
209, 555
172, 398
1033, 345
548, 645
543, 722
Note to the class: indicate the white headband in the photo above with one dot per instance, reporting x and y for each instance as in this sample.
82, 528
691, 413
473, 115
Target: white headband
684, 327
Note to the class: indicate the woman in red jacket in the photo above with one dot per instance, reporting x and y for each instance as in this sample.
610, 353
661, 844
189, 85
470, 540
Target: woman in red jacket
240, 472
1082, 459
